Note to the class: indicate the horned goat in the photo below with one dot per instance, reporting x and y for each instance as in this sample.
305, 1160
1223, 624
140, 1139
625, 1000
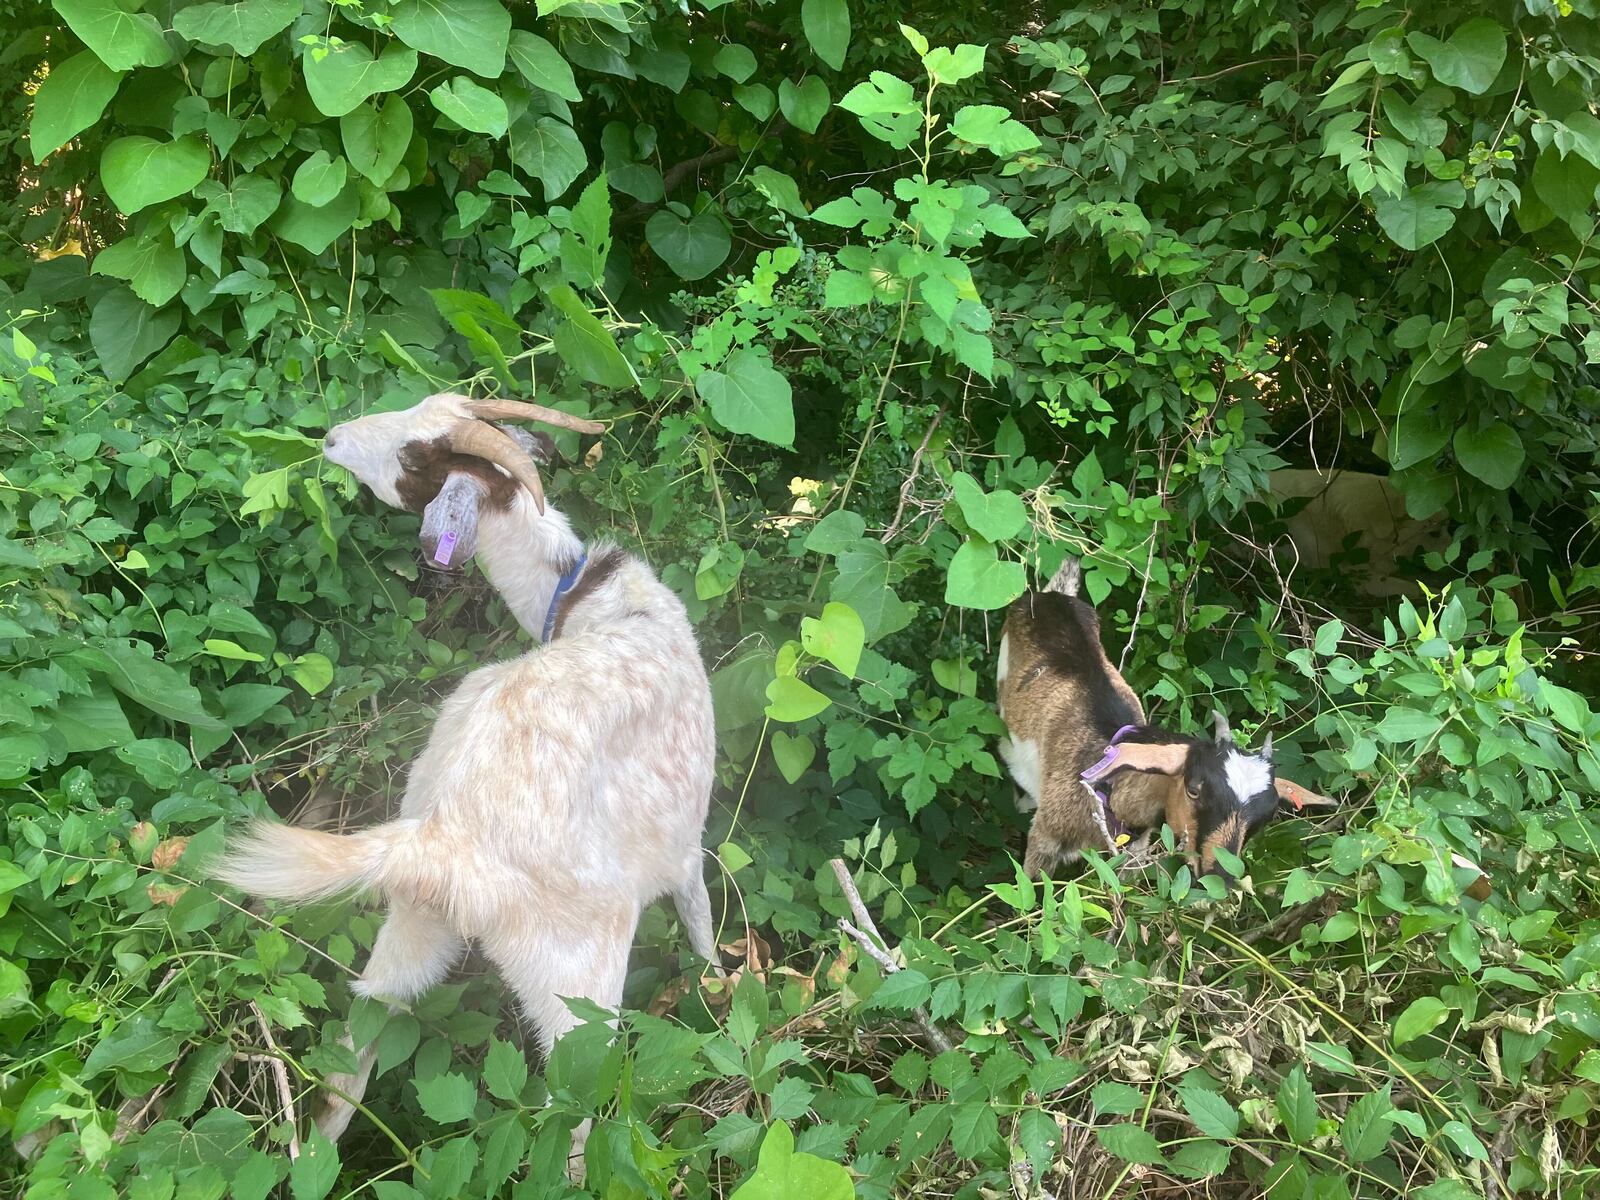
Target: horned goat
559, 792
1080, 751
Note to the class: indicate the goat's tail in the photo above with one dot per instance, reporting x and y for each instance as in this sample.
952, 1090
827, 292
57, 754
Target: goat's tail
1068, 577
285, 862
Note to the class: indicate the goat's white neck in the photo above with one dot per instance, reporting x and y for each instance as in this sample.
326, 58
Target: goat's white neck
524, 555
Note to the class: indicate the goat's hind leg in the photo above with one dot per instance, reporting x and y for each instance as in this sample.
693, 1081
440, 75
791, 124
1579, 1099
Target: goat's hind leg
693, 903
414, 950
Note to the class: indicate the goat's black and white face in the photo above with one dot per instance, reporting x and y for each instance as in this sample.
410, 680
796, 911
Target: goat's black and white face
445, 459
1231, 794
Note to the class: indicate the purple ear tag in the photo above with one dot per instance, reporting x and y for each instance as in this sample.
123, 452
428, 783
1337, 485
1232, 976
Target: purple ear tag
446, 547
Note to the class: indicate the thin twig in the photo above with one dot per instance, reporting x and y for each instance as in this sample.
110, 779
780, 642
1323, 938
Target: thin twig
281, 1073
871, 941
911, 479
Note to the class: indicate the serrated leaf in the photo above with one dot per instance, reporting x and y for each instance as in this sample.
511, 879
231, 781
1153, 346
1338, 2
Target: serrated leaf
447, 1098
1130, 1143
903, 990
505, 1071
313, 1174
1297, 1105
1365, 1129
1213, 1115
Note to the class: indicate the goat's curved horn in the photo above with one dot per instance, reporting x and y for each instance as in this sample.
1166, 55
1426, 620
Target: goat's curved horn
521, 410
488, 443
1224, 732
1266, 747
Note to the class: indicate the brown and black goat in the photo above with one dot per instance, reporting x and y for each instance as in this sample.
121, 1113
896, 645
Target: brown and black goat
1080, 751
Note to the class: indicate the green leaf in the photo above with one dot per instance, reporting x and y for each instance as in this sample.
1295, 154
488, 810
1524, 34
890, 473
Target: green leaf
902, 990
993, 516
313, 1174
125, 331
1297, 1105
1365, 1129
586, 345
1493, 454
992, 127
792, 699
243, 27
736, 61
1567, 186
375, 138
1470, 60
1422, 1015
1200, 1160
974, 1127
887, 107
152, 265
139, 171
748, 396
137, 1045
71, 98
548, 150
783, 1173
447, 1098
319, 179
541, 64
780, 190
827, 28
1402, 725
586, 245
692, 248
245, 203
978, 578
1419, 216
472, 34
312, 671
1130, 1143
256, 1177
92, 722
471, 106
804, 104
505, 1071
121, 40
316, 227
839, 529
837, 636
793, 754
1213, 1115
347, 74
951, 65
148, 683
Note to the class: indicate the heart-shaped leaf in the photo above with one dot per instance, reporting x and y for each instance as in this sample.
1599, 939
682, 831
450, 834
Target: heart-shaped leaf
993, 516
837, 636
793, 699
319, 179
347, 74
471, 106
541, 64
827, 28
120, 39
550, 151
472, 34
749, 396
1470, 59
375, 137
139, 171
1419, 216
793, 754
979, 578
243, 27
692, 248
70, 99
804, 104
1494, 454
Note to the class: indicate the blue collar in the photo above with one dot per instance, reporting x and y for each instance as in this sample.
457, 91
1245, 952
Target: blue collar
562, 588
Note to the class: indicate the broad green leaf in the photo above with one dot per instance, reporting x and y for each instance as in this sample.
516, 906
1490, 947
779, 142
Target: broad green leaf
974, 1127
1365, 1130
1212, 1114
837, 636
902, 990
346, 75
505, 1071
586, 345
547, 149
780, 190
783, 1173
137, 1044
749, 396
70, 99
839, 529
92, 722
1200, 1160
953, 64
1130, 1143
979, 578
541, 64
125, 331
319, 179
505, 1149
1494, 454
139, 171
313, 1174
1417, 217
447, 1098
243, 27
692, 248
1422, 1015
375, 137
863, 583
804, 104
1297, 1105
150, 684
316, 227
1567, 187
793, 699
887, 107
471, 106
992, 127
121, 40
1403, 725
152, 265
586, 245
736, 61
827, 28
472, 34
793, 754
1470, 59
244, 203
312, 671
993, 516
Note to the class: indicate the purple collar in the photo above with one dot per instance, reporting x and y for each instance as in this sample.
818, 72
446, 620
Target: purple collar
1114, 828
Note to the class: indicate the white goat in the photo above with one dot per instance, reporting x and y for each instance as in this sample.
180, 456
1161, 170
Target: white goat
559, 792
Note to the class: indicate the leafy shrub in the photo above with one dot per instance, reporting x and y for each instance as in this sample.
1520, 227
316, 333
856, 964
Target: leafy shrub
884, 316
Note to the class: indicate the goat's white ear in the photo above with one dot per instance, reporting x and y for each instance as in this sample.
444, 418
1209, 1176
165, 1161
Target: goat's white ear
1224, 732
450, 522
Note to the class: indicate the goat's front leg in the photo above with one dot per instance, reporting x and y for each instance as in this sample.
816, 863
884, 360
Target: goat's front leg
414, 950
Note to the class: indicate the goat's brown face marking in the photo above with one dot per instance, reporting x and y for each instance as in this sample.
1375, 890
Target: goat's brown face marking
1229, 835
425, 465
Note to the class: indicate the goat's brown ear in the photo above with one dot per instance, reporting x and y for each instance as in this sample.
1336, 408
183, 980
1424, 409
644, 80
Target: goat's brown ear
1164, 758
1299, 797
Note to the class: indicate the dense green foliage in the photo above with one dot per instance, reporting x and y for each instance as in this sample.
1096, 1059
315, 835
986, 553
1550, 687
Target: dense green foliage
884, 316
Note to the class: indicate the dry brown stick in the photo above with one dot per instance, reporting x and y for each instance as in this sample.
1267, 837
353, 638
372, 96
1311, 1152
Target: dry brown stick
911, 479
281, 1074
871, 941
